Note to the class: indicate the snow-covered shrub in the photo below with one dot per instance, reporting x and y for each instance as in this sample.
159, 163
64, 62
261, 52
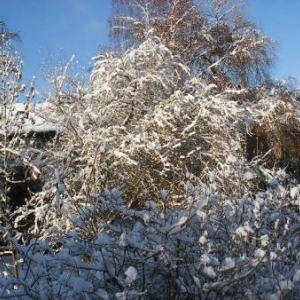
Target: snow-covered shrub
144, 123
18, 172
154, 197
222, 240
277, 130
129, 87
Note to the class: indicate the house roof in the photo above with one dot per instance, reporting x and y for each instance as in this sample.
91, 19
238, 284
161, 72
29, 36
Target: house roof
33, 117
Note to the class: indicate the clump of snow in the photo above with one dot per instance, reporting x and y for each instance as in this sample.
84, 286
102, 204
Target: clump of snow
294, 192
131, 275
228, 263
231, 159
259, 253
209, 272
248, 176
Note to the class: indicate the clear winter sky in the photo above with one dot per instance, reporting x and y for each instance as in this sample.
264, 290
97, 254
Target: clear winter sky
54, 29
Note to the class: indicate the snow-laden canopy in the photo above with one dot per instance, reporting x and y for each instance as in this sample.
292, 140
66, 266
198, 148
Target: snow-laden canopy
163, 186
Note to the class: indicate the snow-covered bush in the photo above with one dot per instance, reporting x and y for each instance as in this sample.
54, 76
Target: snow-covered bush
144, 123
277, 130
16, 167
127, 88
151, 194
222, 240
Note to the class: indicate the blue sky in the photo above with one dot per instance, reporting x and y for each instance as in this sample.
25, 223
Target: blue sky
55, 29
51, 30
280, 19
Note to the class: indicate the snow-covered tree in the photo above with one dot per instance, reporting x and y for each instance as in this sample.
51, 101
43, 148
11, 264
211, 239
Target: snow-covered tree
164, 184
175, 22
10, 77
214, 39
6, 35
16, 167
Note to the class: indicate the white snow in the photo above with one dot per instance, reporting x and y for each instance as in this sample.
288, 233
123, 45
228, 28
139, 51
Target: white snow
228, 263
294, 192
209, 271
131, 275
248, 176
